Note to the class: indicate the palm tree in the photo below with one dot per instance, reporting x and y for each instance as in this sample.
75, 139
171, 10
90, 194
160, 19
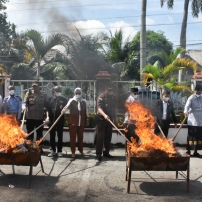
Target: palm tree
36, 48
164, 58
115, 49
196, 8
163, 77
83, 57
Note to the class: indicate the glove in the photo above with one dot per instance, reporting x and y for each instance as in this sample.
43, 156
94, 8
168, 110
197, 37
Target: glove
47, 120
23, 108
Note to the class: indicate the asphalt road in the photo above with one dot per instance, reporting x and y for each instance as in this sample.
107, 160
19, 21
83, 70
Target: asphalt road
85, 179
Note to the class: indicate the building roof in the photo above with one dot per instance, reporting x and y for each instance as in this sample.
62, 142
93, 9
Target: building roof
4, 74
195, 55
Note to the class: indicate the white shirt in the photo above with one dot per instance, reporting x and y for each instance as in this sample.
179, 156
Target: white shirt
164, 110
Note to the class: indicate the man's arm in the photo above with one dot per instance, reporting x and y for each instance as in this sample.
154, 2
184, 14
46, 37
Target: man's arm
187, 106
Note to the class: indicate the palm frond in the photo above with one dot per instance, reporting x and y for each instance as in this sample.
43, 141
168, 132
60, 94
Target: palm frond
184, 62
180, 87
153, 70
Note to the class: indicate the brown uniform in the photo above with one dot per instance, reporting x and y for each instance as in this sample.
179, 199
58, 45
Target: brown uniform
108, 104
77, 121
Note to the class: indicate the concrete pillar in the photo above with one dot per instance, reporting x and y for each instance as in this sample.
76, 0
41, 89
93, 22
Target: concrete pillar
103, 78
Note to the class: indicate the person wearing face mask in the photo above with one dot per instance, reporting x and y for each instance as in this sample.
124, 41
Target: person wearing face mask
130, 124
106, 109
77, 120
13, 104
55, 104
163, 111
35, 102
193, 110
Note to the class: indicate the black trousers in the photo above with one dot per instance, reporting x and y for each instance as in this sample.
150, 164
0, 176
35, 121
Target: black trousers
30, 125
131, 132
104, 137
59, 129
164, 124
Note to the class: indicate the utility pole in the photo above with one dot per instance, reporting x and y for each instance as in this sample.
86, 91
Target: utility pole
143, 38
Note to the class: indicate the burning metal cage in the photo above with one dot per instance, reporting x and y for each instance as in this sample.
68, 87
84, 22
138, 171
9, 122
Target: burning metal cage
30, 158
157, 164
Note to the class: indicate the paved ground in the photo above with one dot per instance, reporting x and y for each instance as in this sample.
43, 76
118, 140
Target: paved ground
84, 179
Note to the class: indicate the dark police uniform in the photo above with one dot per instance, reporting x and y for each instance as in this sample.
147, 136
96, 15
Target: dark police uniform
36, 107
108, 104
54, 107
13, 105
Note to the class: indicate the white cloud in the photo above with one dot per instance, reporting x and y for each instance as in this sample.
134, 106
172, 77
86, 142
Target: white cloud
149, 21
128, 30
89, 26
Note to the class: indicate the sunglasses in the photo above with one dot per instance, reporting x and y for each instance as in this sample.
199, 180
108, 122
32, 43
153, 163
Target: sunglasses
77, 93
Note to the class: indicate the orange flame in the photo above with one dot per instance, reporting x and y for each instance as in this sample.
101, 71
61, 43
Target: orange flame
145, 125
11, 134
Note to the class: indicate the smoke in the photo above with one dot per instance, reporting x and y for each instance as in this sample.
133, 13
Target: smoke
59, 17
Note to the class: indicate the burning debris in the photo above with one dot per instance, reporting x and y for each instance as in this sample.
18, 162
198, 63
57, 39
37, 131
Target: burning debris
12, 137
149, 144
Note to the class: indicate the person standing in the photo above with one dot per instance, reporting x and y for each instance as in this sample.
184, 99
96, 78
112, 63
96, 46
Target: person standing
77, 120
35, 105
163, 111
193, 110
106, 109
12, 104
55, 104
130, 124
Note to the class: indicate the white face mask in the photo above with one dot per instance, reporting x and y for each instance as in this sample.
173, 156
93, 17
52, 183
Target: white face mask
57, 94
11, 92
198, 95
78, 96
166, 99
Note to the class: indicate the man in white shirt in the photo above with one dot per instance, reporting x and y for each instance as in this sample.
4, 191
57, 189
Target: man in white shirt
130, 124
163, 110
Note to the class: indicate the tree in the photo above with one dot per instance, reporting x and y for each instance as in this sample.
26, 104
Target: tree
163, 77
36, 48
83, 57
196, 8
156, 43
6, 28
115, 50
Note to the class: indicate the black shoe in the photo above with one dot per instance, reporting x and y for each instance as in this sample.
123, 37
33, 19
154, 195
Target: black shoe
196, 154
98, 157
107, 155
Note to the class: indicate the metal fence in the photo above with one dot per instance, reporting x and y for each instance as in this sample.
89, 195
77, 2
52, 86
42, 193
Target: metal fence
147, 94
68, 86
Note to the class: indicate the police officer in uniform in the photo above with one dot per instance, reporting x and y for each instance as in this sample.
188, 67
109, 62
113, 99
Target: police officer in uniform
35, 103
13, 104
55, 104
106, 109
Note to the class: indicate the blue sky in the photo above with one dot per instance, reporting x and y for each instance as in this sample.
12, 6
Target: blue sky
92, 16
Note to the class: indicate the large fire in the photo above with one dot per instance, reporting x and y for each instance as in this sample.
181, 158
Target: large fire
11, 134
150, 143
